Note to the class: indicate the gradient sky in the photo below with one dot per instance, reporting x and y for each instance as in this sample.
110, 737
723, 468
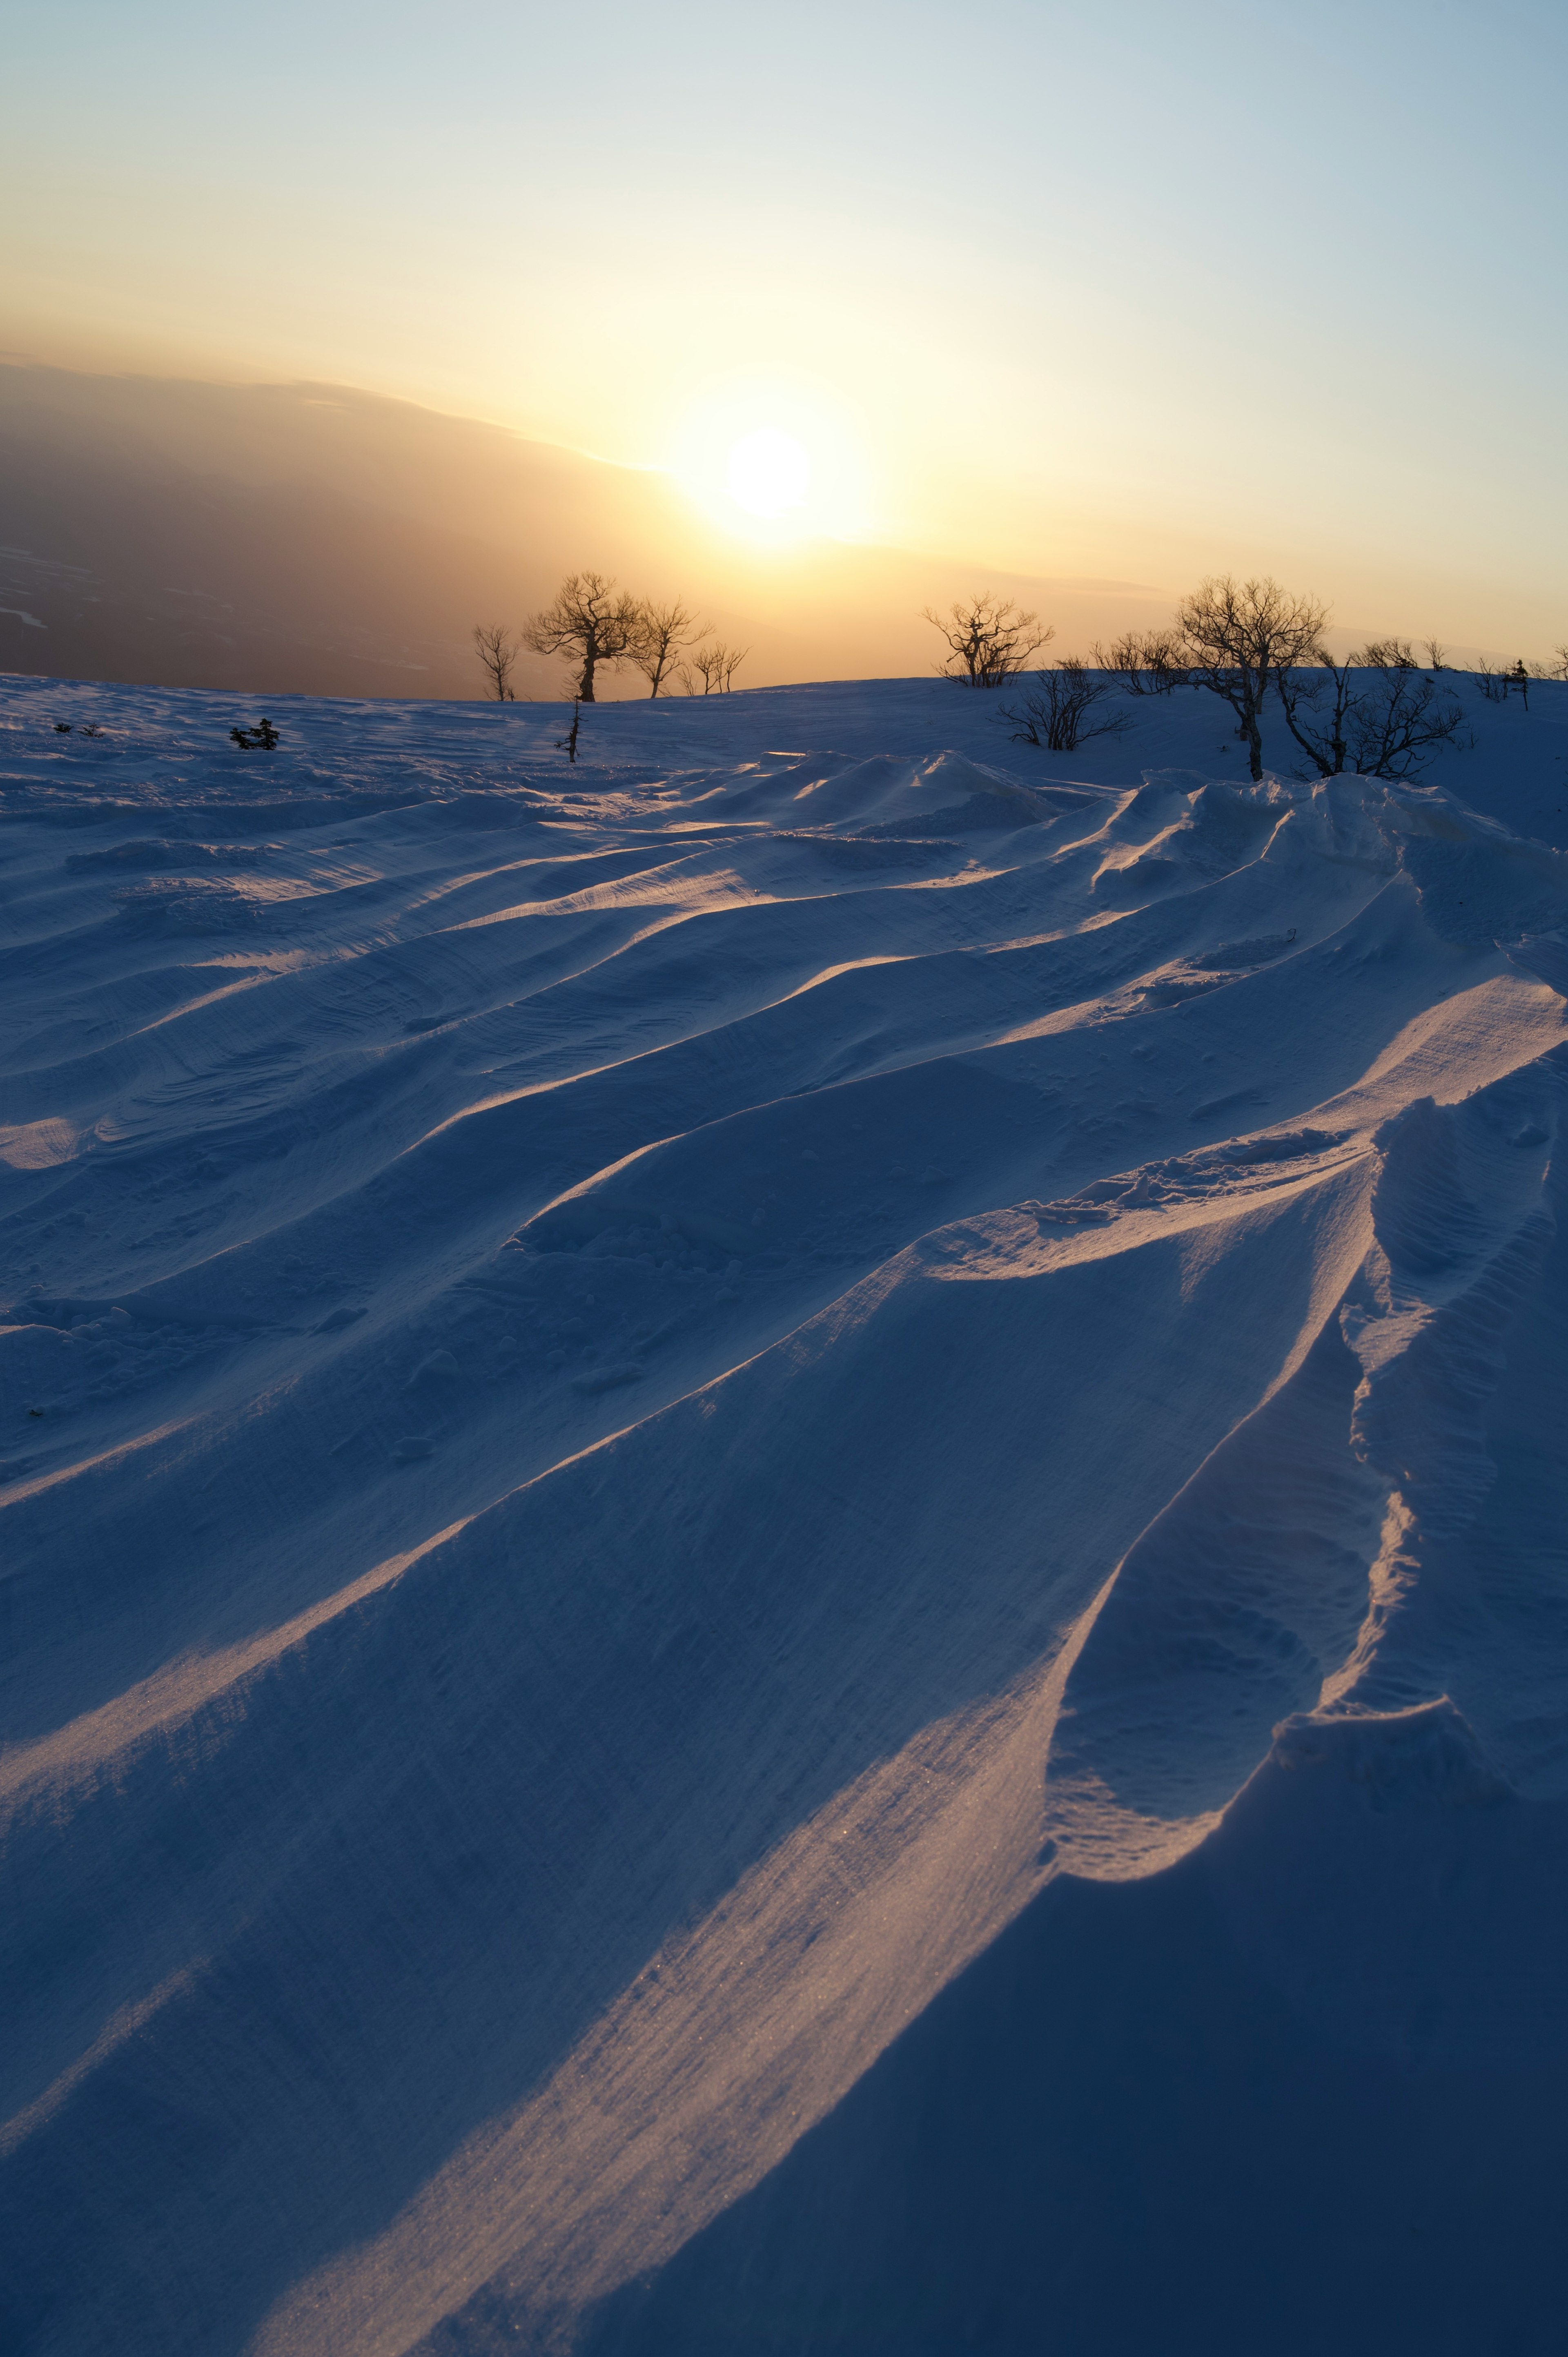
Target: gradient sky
1128, 293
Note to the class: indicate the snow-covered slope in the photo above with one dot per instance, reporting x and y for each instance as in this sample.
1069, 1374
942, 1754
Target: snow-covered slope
657, 1417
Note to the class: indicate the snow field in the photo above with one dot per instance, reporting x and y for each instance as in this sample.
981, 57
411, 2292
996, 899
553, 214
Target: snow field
645, 1405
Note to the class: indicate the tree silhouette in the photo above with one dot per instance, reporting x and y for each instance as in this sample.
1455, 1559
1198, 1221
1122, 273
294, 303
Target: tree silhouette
497, 655
589, 624
988, 638
1237, 638
661, 632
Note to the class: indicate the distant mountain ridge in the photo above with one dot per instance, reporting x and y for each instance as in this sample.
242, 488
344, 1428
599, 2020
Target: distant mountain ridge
315, 540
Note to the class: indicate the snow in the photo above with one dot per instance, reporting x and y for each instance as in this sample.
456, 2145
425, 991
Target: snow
784, 1532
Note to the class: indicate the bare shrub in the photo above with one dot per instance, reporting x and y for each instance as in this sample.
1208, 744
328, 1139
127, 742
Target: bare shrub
1388, 654
1388, 724
1125, 658
1057, 713
589, 624
661, 632
989, 639
1436, 654
1163, 660
1236, 638
497, 654
1156, 653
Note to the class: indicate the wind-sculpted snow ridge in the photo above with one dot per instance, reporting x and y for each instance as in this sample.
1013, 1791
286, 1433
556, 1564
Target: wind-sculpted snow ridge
692, 1447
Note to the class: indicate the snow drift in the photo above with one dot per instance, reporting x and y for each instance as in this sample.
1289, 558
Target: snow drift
710, 1461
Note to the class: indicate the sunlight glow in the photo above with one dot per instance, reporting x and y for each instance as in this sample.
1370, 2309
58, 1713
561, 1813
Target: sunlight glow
778, 458
768, 472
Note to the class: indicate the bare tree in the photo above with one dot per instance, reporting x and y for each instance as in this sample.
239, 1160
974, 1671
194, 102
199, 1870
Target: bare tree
1559, 665
589, 624
1237, 638
1056, 714
715, 666
1436, 653
661, 632
1389, 728
497, 655
989, 639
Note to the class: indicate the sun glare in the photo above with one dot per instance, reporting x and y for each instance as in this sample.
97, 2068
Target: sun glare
768, 472
776, 457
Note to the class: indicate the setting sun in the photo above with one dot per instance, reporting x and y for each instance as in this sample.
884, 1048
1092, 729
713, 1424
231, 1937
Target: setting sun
775, 456
768, 472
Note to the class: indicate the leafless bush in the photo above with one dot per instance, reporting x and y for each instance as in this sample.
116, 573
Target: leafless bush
1436, 654
989, 640
1057, 715
1388, 654
661, 632
1236, 638
1559, 663
1388, 724
497, 654
589, 624
1163, 660
712, 669
1125, 658
1148, 661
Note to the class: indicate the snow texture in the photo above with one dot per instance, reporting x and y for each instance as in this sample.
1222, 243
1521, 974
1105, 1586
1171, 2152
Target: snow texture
784, 1535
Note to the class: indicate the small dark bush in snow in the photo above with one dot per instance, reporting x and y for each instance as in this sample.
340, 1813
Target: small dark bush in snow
263, 738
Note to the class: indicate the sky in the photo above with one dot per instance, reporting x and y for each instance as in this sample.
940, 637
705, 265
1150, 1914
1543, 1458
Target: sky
1130, 294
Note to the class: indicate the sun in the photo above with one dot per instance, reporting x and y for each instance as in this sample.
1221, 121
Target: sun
773, 456
768, 472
